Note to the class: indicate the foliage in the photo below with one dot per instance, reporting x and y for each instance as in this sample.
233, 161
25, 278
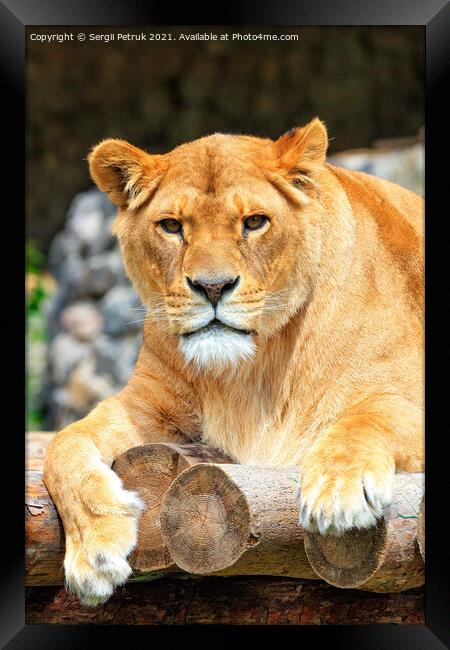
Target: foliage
37, 294
34, 266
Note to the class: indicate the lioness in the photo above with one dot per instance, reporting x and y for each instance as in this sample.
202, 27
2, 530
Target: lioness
284, 327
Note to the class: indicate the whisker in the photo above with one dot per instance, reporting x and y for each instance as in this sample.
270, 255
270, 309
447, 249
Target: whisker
280, 292
276, 299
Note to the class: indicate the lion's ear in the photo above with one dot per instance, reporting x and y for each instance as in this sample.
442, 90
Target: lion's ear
302, 150
128, 174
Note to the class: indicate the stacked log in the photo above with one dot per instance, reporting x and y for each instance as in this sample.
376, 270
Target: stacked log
205, 515
243, 520
149, 469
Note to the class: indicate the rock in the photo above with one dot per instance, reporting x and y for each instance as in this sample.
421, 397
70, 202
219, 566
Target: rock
87, 227
116, 357
70, 289
64, 354
62, 413
127, 357
106, 354
93, 341
99, 277
62, 248
71, 280
85, 388
54, 309
119, 311
82, 321
88, 231
89, 221
102, 273
61, 398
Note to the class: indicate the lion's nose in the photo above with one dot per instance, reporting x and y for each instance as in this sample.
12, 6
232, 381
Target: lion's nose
213, 289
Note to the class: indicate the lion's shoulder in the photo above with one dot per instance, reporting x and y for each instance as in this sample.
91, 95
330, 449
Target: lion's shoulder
398, 215
382, 198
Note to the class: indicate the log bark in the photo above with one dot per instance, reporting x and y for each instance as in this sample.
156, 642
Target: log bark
421, 528
237, 519
44, 532
230, 601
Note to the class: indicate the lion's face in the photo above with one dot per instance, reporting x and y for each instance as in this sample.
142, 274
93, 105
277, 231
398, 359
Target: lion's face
221, 237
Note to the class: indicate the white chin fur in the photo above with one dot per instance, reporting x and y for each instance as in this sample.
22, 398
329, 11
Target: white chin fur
217, 349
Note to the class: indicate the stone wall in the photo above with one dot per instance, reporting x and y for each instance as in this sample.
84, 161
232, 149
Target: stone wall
95, 318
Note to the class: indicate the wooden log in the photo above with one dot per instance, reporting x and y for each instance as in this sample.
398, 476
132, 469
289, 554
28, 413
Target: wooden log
148, 469
383, 553
240, 519
231, 601
44, 533
237, 600
235, 519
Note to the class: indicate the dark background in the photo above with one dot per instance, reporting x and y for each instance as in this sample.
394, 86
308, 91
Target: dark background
366, 83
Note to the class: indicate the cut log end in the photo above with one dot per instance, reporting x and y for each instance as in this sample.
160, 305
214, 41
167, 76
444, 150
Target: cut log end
205, 519
244, 519
150, 470
158, 467
350, 559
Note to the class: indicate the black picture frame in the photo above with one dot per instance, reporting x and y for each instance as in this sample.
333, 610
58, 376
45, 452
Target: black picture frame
434, 15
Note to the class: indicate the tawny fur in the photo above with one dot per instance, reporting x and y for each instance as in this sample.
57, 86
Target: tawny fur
331, 289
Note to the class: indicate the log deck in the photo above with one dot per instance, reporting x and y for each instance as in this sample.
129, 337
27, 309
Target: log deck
259, 598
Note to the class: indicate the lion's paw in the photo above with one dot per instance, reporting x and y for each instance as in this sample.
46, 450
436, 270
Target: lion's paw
96, 558
93, 582
333, 501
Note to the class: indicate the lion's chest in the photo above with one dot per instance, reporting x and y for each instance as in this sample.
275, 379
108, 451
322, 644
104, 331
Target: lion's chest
248, 429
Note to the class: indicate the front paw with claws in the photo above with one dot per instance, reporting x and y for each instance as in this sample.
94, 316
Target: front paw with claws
336, 498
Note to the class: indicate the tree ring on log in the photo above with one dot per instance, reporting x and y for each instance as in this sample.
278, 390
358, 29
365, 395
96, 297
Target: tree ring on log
206, 520
158, 464
350, 559
150, 470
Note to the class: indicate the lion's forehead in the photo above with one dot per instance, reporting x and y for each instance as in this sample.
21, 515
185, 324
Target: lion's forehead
216, 164
195, 191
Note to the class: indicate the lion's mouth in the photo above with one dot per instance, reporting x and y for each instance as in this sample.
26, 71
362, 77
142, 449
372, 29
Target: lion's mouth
218, 326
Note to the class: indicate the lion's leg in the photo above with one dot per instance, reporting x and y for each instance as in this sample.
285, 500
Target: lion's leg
100, 518
347, 474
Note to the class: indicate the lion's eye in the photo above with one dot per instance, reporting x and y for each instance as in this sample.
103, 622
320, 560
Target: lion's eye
171, 226
255, 221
